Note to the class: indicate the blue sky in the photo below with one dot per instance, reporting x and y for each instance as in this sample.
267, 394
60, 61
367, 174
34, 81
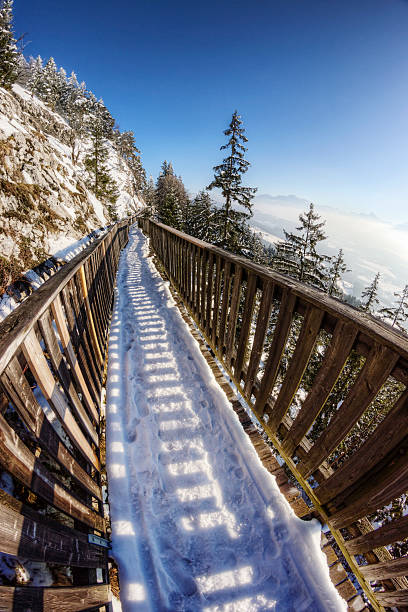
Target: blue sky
322, 87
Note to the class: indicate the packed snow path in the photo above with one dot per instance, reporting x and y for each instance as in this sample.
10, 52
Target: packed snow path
197, 522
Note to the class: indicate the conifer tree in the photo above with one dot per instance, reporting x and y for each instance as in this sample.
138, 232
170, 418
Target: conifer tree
369, 296
101, 183
126, 146
9, 55
171, 197
199, 220
170, 212
254, 247
23, 71
297, 256
228, 178
51, 84
74, 106
337, 269
398, 314
149, 196
34, 82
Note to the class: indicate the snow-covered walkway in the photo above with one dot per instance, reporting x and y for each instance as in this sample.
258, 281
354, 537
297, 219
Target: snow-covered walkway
198, 523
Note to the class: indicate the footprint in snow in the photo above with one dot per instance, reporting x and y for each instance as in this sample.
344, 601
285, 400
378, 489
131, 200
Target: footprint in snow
131, 430
179, 570
271, 550
281, 532
140, 405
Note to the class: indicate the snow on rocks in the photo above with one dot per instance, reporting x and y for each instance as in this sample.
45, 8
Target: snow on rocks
32, 279
197, 522
45, 204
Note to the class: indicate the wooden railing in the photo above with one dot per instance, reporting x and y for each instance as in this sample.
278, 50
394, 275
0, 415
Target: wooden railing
327, 383
52, 358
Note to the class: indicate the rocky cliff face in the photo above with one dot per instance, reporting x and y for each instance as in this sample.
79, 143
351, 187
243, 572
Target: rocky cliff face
44, 202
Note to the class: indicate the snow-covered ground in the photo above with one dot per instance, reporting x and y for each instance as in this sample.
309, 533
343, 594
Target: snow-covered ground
197, 522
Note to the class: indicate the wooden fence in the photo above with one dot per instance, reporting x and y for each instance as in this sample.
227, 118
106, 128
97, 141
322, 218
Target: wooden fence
327, 383
52, 357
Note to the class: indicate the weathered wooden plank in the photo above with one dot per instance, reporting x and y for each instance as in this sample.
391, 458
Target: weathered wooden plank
233, 315
105, 258
204, 261
85, 351
17, 459
297, 366
22, 536
337, 573
61, 370
224, 305
73, 361
385, 438
39, 367
387, 534
179, 264
63, 599
92, 297
347, 591
330, 370
216, 300
189, 285
373, 375
259, 338
246, 325
102, 284
276, 349
389, 569
25, 403
392, 598
209, 297
94, 336
197, 287
78, 338
391, 482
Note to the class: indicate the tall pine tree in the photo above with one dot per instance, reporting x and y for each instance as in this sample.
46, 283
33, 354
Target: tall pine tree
369, 296
199, 220
228, 178
397, 315
337, 269
9, 56
171, 197
298, 256
149, 196
96, 162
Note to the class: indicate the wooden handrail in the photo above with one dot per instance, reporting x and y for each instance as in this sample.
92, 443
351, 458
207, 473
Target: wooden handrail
52, 356
266, 329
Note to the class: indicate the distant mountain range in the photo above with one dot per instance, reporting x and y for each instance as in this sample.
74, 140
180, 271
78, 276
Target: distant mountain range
370, 245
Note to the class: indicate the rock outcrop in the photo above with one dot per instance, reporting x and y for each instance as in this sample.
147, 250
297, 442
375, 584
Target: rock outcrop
44, 201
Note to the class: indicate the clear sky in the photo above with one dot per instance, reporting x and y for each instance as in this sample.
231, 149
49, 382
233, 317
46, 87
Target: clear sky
322, 86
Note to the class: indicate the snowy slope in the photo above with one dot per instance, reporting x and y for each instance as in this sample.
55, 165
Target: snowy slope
45, 207
198, 523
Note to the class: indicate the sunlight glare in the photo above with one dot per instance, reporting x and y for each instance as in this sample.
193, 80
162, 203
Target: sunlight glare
117, 447
225, 580
135, 592
117, 470
122, 528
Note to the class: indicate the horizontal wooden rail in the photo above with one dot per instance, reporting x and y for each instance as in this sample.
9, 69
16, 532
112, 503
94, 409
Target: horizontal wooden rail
328, 384
52, 355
